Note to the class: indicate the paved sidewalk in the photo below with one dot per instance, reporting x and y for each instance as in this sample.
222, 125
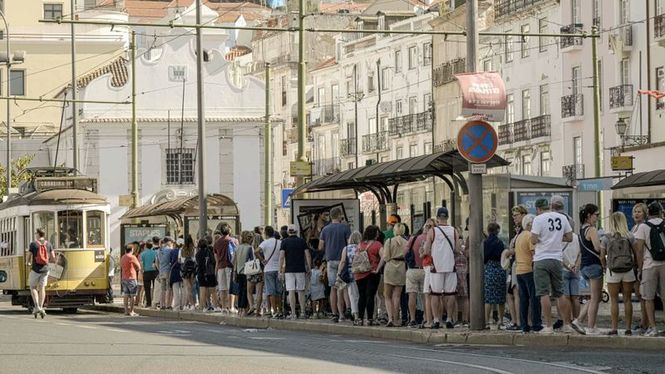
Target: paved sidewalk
459, 336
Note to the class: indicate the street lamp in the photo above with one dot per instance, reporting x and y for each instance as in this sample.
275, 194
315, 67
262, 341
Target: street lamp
620, 127
7, 59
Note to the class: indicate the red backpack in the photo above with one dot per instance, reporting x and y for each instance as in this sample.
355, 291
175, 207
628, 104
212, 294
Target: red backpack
42, 253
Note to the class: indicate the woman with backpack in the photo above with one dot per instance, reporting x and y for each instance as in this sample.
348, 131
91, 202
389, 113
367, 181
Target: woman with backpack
592, 263
617, 247
188, 271
345, 273
205, 274
365, 267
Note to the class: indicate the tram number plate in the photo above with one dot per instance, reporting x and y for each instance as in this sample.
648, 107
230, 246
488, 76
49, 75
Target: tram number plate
99, 256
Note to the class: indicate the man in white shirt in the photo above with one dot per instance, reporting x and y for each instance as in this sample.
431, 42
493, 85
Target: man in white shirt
548, 233
273, 284
651, 273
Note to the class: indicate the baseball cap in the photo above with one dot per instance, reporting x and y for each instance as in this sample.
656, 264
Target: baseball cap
542, 203
442, 212
292, 229
392, 220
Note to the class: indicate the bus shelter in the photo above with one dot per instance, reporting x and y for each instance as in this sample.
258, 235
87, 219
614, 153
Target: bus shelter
643, 187
181, 216
384, 179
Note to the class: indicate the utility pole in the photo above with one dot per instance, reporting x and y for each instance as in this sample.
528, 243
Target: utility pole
267, 146
9, 117
301, 86
378, 103
355, 104
75, 114
475, 183
135, 131
596, 115
203, 193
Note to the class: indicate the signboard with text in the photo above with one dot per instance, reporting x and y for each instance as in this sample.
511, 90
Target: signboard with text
483, 94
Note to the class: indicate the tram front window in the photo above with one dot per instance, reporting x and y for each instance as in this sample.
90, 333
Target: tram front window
95, 227
70, 228
46, 222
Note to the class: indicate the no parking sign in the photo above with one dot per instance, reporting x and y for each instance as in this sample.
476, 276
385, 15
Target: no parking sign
477, 141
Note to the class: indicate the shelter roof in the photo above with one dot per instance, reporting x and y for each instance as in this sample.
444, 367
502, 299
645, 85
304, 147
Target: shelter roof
218, 204
644, 179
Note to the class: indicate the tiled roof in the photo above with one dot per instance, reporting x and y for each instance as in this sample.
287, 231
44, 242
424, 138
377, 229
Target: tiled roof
237, 51
327, 63
228, 12
336, 7
117, 68
146, 9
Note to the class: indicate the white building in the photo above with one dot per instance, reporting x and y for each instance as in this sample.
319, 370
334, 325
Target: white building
166, 116
372, 103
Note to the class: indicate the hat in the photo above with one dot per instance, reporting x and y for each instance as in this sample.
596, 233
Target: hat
442, 212
542, 203
392, 220
180, 241
292, 229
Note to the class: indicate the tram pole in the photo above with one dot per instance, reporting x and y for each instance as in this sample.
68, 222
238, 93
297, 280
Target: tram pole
475, 183
136, 201
301, 88
203, 193
75, 114
267, 150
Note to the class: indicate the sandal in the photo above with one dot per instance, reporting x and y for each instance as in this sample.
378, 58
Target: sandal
628, 332
613, 332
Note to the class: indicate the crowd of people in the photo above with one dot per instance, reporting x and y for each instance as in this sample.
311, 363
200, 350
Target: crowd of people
395, 279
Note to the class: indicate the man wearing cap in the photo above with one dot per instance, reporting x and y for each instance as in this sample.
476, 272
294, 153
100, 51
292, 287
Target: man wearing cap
549, 231
295, 263
393, 219
164, 265
441, 243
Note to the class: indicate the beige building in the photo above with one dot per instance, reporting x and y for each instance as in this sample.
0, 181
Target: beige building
47, 66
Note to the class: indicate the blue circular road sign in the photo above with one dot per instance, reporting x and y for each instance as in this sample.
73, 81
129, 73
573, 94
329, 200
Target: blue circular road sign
477, 141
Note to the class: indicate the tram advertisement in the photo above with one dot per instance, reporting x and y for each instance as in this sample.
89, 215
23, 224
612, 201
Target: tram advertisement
311, 215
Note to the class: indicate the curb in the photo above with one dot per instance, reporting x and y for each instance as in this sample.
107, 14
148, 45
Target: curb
413, 336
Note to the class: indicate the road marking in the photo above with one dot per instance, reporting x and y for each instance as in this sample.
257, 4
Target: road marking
87, 327
115, 330
486, 368
265, 338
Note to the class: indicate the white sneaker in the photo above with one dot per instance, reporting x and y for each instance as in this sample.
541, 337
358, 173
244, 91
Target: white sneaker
567, 329
546, 330
218, 310
578, 327
592, 331
651, 332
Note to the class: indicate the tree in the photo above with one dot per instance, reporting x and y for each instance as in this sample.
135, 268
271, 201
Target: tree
18, 176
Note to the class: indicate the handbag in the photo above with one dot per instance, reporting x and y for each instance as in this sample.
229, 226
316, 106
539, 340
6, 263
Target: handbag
252, 267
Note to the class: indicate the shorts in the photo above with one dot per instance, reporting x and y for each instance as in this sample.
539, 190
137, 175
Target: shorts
594, 271
206, 281
547, 277
415, 280
571, 283
224, 279
440, 283
38, 280
331, 268
129, 287
295, 281
273, 287
164, 278
651, 279
614, 277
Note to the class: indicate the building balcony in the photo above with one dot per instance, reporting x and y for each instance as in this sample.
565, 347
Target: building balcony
410, 124
525, 130
620, 41
323, 115
573, 172
326, 166
347, 147
445, 73
621, 98
570, 43
445, 146
504, 8
572, 107
659, 29
377, 142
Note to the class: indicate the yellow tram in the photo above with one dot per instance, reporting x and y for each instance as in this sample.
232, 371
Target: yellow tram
75, 219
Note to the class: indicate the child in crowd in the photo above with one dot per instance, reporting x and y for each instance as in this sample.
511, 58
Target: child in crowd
317, 289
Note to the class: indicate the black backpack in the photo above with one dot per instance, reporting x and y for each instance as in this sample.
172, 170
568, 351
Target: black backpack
210, 264
188, 268
657, 239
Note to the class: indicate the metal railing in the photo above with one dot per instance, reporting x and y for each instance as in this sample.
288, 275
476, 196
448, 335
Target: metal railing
327, 114
445, 146
570, 41
659, 26
504, 8
347, 147
573, 172
410, 123
375, 142
524, 130
621, 96
326, 166
445, 73
572, 106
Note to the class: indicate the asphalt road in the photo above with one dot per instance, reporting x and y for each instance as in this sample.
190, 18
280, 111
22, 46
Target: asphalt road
94, 342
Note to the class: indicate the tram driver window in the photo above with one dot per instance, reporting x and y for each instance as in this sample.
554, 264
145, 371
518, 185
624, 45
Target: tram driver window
70, 228
95, 227
46, 222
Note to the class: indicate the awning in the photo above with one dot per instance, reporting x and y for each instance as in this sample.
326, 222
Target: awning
218, 204
379, 177
644, 179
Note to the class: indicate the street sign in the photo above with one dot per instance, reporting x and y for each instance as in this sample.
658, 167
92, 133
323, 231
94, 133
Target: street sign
483, 94
286, 197
622, 163
478, 168
300, 169
594, 184
477, 141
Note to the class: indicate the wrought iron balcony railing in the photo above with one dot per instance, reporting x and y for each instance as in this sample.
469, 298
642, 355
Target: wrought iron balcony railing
410, 123
573, 172
375, 142
324, 114
572, 106
445, 73
659, 26
524, 130
621, 96
347, 147
504, 8
326, 166
571, 41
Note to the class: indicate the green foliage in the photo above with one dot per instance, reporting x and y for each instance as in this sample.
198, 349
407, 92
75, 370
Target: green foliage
18, 176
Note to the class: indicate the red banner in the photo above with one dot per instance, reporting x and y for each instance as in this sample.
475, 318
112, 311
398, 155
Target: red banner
484, 95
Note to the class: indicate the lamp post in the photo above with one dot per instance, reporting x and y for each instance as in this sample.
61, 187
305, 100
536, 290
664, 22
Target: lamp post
620, 127
6, 58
